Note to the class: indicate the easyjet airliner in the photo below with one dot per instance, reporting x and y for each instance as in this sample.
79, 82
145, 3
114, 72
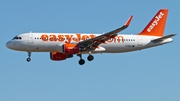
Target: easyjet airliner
62, 46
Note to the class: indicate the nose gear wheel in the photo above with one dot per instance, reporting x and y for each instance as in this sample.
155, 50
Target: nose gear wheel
29, 57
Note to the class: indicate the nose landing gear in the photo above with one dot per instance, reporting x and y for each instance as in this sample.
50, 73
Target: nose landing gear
29, 57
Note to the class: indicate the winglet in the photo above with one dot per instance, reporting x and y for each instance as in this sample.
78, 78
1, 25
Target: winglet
124, 26
128, 21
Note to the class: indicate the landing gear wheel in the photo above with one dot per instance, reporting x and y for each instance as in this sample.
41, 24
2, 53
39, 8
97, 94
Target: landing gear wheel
28, 59
29, 55
81, 61
90, 58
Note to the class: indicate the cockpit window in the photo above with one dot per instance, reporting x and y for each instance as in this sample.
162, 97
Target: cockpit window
17, 38
14, 38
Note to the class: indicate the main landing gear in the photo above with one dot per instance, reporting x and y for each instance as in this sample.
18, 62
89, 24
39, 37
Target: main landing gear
29, 57
90, 58
82, 61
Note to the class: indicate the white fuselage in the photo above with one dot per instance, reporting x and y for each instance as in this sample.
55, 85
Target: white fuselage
65, 45
34, 42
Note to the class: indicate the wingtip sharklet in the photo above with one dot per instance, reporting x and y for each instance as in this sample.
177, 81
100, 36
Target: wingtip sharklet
128, 21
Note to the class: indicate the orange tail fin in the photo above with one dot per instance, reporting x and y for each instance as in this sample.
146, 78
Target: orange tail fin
157, 24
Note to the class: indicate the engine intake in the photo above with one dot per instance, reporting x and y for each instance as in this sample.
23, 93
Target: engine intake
70, 48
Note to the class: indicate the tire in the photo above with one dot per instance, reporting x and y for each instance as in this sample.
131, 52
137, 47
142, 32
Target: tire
28, 59
90, 58
81, 62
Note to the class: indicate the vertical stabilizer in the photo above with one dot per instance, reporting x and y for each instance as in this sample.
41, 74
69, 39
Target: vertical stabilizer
157, 24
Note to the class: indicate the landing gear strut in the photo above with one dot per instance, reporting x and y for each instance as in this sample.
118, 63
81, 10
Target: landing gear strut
81, 61
29, 57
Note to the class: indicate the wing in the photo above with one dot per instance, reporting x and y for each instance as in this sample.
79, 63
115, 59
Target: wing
93, 43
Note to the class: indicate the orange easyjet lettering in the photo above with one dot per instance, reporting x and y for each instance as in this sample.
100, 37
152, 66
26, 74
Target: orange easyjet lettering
44, 37
52, 37
61, 38
119, 38
111, 40
77, 38
69, 38
85, 37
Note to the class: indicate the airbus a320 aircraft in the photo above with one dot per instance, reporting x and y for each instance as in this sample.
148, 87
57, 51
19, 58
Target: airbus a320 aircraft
62, 46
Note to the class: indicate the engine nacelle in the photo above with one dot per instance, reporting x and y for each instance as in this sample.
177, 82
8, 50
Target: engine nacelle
57, 56
70, 48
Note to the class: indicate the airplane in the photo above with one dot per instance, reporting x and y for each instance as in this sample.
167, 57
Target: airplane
62, 46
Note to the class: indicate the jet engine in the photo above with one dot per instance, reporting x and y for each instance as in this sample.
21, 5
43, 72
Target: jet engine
68, 48
57, 56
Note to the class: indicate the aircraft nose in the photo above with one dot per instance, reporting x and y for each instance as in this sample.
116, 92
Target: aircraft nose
9, 45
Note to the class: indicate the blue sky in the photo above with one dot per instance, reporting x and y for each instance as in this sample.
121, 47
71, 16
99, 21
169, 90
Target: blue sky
147, 75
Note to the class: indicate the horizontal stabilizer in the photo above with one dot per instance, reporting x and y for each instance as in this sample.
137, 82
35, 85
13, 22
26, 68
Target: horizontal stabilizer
163, 38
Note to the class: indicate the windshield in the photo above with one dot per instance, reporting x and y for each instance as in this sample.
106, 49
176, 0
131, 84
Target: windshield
16, 37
